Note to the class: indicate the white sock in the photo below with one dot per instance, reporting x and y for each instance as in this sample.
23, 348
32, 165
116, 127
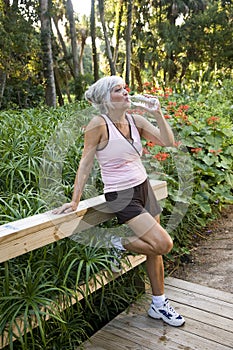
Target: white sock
158, 300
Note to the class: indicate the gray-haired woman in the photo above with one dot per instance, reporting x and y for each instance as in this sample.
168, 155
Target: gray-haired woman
114, 137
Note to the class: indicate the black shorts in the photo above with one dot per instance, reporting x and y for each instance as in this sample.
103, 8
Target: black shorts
127, 204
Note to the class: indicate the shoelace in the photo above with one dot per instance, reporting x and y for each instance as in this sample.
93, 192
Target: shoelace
170, 308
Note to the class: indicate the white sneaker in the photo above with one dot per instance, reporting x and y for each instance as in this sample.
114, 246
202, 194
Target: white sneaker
167, 314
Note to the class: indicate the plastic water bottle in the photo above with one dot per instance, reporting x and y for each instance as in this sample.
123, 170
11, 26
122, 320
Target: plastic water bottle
147, 101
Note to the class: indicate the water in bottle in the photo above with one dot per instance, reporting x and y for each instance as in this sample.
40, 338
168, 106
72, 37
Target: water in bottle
147, 101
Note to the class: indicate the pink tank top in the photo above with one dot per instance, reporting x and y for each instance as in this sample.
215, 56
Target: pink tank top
120, 160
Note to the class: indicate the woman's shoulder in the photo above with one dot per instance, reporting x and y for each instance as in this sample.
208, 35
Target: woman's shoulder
96, 122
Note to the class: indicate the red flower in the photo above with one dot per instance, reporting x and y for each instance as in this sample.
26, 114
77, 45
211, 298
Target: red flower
212, 120
147, 83
127, 88
161, 156
150, 144
168, 90
167, 116
196, 150
215, 151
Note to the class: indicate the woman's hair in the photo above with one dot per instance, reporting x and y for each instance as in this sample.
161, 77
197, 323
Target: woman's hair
99, 93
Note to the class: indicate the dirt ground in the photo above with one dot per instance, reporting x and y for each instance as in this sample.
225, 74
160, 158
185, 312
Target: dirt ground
211, 261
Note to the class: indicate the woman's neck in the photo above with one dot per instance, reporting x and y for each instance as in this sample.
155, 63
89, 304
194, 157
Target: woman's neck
117, 117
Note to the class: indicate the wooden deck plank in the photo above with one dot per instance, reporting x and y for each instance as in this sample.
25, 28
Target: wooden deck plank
173, 337
201, 302
220, 322
209, 322
205, 317
194, 327
203, 290
110, 341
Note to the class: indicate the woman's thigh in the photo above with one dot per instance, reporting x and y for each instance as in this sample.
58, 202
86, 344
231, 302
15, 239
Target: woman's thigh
148, 229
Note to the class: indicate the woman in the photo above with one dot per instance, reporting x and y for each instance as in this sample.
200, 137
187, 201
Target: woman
114, 137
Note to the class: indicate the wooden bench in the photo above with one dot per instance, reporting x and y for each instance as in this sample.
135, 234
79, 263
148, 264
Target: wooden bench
28, 234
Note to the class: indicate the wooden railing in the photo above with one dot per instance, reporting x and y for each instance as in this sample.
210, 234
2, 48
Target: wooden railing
25, 235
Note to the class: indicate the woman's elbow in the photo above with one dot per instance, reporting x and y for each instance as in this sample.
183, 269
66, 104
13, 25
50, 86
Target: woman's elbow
171, 143
168, 143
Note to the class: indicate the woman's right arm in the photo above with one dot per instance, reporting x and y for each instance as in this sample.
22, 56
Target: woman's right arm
91, 140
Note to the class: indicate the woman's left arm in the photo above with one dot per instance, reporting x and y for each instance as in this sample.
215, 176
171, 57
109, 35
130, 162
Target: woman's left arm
161, 135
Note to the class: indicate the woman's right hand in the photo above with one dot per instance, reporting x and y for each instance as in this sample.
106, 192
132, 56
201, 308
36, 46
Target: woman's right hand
66, 208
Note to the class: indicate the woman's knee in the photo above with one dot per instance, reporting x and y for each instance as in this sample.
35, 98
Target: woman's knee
162, 246
167, 245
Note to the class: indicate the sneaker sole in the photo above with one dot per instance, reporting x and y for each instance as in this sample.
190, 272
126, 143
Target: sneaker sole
155, 317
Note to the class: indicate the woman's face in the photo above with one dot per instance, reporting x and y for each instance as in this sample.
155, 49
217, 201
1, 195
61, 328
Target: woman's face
119, 97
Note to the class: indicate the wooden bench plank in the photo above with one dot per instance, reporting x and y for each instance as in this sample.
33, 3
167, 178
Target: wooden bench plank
22, 236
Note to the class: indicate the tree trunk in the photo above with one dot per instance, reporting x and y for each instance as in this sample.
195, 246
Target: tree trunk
84, 34
119, 13
46, 43
73, 37
93, 40
63, 45
138, 78
58, 89
2, 85
108, 47
128, 41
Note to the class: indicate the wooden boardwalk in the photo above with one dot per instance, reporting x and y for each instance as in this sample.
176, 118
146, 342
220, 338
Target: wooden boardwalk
209, 323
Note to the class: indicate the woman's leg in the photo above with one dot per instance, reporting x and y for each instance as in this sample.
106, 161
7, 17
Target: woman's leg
150, 237
155, 270
152, 240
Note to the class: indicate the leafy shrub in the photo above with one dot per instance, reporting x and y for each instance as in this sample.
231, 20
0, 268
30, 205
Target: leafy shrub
199, 171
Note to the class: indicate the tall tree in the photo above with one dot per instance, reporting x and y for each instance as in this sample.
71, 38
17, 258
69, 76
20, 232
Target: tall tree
128, 40
46, 43
83, 33
107, 43
117, 28
93, 41
67, 57
73, 37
